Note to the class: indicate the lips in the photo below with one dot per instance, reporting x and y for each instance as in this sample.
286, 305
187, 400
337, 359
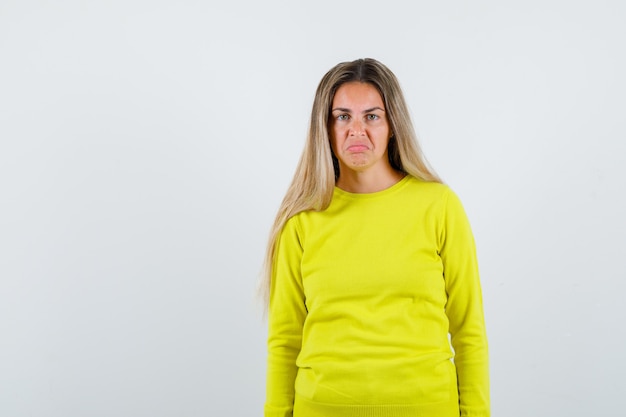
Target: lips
357, 148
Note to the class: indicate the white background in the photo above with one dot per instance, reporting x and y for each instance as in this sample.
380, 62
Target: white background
145, 147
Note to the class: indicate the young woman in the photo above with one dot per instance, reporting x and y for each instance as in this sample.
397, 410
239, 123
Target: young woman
374, 298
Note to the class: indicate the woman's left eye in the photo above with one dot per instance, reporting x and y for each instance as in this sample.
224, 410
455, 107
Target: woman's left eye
372, 117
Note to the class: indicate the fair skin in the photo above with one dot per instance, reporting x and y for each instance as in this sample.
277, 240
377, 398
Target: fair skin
359, 132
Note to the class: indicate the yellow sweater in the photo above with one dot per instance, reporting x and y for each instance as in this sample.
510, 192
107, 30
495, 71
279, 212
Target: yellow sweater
364, 297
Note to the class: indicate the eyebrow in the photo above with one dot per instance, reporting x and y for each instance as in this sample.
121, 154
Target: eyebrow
343, 109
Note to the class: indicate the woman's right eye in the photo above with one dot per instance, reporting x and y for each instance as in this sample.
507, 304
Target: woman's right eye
342, 117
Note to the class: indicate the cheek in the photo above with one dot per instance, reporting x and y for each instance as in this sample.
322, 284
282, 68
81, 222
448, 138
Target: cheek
332, 138
333, 144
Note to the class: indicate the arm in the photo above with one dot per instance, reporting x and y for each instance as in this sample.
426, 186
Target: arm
464, 309
287, 312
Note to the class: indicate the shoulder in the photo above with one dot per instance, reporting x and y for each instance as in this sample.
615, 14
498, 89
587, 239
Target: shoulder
440, 199
434, 192
293, 223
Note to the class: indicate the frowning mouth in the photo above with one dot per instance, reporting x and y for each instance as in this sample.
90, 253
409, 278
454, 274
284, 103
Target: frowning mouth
357, 148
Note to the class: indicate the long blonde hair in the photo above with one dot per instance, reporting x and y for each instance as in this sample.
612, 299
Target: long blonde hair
314, 180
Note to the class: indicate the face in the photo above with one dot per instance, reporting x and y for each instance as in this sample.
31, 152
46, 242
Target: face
359, 129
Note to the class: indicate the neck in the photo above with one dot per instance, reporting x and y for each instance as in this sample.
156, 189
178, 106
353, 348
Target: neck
367, 181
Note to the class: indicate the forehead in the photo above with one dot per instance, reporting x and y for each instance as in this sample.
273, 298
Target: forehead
357, 93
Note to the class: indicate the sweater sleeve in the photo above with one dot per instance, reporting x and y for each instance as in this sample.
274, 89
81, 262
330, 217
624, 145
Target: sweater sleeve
464, 309
287, 312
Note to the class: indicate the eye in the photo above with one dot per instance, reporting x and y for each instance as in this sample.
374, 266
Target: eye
372, 117
343, 117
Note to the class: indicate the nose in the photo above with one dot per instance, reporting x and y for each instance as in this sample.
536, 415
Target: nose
356, 128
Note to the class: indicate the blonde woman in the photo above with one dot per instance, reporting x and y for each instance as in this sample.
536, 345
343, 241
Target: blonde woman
374, 298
